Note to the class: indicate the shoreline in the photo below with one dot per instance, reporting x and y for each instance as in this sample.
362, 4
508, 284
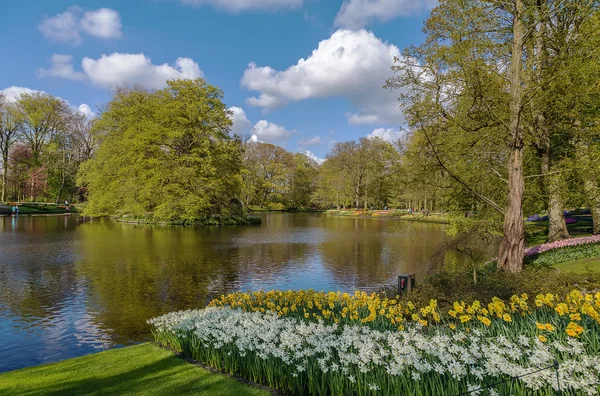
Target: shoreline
382, 214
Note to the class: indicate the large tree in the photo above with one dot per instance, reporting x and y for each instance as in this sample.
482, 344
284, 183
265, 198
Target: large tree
166, 155
10, 124
466, 91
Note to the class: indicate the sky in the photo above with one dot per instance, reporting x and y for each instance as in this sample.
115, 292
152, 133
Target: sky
301, 74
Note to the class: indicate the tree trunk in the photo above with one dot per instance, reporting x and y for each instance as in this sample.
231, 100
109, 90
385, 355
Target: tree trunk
557, 226
4, 176
592, 195
557, 229
510, 256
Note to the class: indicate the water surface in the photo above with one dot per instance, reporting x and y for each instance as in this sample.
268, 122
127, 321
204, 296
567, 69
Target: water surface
69, 286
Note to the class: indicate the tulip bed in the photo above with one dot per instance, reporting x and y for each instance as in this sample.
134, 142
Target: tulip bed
307, 342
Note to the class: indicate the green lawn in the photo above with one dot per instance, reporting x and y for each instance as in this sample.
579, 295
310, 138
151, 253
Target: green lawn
144, 369
580, 266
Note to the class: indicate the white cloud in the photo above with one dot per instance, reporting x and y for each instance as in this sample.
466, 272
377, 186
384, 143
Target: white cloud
265, 131
86, 111
117, 69
13, 93
310, 141
241, 123
313, 157
67, 26
102, 23
247, 5
389, 135
62, 66
356, 14
62, 27
350, 64
265, 101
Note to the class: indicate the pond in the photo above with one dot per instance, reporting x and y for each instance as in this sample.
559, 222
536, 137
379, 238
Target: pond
70, 286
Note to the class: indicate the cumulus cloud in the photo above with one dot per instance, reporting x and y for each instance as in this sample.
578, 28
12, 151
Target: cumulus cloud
117, 69
241, 123
247, 5
86, 111
389, 135
350, 64
269, 132
62, 67
102, 23
13, 93
313, 157
356, 14
267, 102
67, 26
310, 141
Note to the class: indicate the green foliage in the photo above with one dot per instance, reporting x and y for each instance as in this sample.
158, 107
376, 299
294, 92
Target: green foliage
275, 179
448, 287
358, 175
165, 155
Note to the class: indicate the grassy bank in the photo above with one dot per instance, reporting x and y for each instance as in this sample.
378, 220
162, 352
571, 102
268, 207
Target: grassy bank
139, 370
581, 266
32, 209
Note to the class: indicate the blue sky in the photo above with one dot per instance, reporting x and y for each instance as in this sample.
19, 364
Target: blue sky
297, 73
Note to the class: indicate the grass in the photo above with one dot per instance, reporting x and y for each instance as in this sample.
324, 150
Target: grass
580, 266
144, 369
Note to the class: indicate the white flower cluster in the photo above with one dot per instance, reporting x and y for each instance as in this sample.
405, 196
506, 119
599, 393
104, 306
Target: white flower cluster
356, 350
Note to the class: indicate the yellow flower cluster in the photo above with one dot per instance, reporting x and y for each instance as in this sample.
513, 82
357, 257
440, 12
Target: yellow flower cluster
574, 329
574, 305
376, 310
336, 307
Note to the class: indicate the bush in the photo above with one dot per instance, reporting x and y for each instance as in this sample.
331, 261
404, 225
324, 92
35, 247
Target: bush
448, 287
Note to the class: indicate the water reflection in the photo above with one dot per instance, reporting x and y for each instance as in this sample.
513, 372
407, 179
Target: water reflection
67, 285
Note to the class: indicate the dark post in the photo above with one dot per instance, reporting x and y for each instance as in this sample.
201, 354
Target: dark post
406, 283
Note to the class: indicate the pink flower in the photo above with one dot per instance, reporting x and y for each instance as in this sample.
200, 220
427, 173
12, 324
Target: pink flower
535, 250
532, 251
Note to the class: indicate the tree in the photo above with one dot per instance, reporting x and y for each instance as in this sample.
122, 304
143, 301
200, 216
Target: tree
165, 155
358, 172
10, 123
42, 117
466, 90
302, 181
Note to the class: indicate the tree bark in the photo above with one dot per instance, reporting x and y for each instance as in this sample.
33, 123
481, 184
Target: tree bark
4, 175
592, 195
510, 256
557, 226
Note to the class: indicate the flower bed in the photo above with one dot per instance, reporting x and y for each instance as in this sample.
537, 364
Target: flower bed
562, 244
354, 345
549, 254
